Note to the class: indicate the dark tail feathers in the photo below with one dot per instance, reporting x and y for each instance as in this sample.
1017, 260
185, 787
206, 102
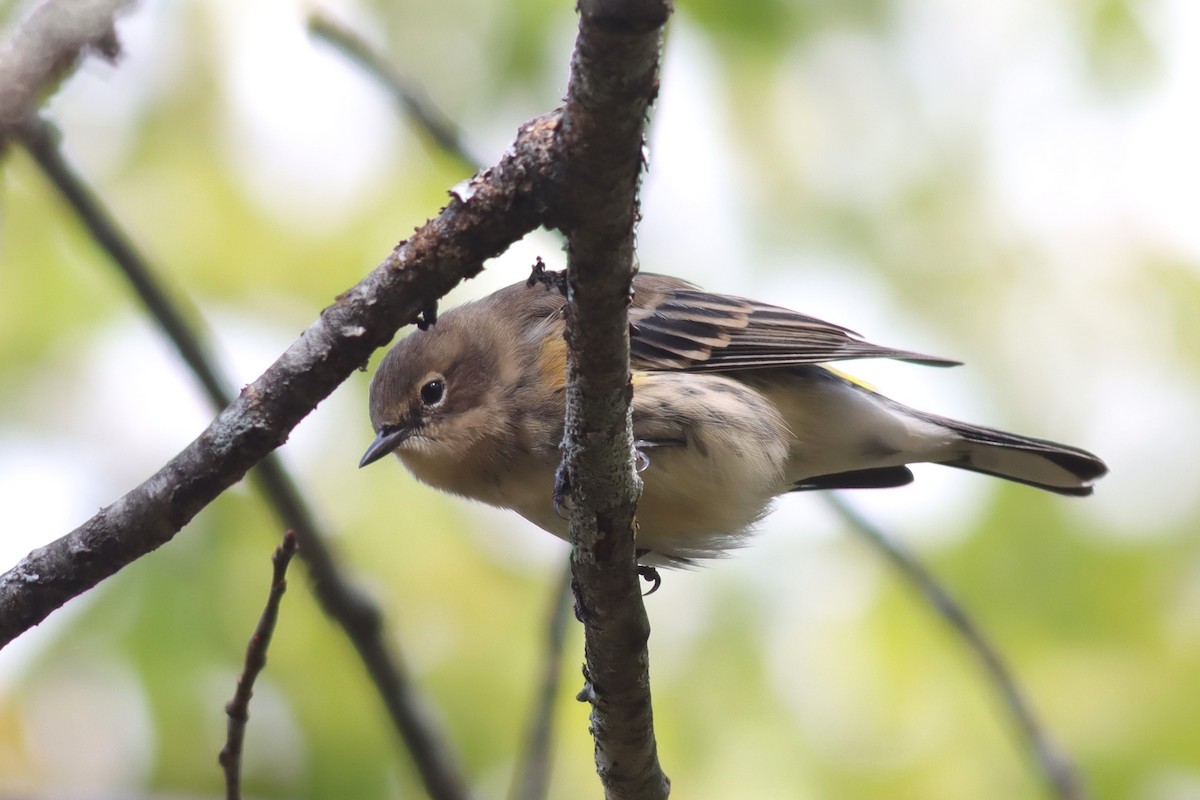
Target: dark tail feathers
1044, 464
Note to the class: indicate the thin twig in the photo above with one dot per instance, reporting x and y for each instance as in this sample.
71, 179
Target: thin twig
499, 207
436, 125
238, 709
533, 767
354, 611
44, 49
1056, 769
578, 170
41, 140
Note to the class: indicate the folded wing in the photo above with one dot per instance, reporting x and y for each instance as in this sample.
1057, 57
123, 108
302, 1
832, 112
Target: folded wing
678, 327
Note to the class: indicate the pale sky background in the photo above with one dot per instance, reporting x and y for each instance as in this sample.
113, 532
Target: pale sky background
1133, 183
1085, 181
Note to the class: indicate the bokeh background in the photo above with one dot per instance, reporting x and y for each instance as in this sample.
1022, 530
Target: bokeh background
1009, 182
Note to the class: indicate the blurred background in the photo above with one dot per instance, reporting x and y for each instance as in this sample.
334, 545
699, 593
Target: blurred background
1008, 182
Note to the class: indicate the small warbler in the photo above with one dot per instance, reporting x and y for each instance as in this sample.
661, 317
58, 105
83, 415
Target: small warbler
731, 408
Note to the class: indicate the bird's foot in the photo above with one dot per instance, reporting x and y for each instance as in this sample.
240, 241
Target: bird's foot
651, 576
562, 492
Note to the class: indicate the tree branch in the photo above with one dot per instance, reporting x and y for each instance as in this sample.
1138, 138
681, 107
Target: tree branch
41, 141
1056, 769
614, 79
533, 767
354, 611
45, 48
496, 208
238, 709
432, 122
578, 171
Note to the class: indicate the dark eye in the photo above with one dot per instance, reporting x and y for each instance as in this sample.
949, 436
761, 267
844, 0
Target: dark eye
433, 392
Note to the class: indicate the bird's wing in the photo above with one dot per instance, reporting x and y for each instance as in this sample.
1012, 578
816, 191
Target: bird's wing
678, 327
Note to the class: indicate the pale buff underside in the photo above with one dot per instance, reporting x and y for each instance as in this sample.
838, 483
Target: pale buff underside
746, 445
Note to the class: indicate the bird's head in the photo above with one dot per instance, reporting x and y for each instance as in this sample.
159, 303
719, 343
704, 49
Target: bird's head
430, 397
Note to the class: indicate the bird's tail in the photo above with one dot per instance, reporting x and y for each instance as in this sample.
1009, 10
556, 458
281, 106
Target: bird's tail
1047, 465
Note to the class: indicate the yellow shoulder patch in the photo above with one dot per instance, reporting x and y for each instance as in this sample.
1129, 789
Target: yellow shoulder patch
552, 362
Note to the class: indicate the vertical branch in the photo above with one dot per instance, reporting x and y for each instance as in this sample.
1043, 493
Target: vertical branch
533, 767
614, 79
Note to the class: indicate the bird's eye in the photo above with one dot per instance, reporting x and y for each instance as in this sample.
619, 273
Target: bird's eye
433, 392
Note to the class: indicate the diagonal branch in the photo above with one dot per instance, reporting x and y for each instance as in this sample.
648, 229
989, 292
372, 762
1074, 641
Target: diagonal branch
41, 140
343, 602
45, 48
497, 208
614, 79
409, 97
1056, 768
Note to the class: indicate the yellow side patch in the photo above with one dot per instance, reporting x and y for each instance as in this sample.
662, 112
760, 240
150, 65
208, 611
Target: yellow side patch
846, 377
552, 362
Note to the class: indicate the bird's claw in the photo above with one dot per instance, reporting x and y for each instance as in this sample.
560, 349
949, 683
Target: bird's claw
562, 492
650, 574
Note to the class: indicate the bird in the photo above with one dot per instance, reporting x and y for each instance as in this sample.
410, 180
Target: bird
734, 404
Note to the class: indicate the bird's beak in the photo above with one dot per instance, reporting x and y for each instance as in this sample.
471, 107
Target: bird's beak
385, 442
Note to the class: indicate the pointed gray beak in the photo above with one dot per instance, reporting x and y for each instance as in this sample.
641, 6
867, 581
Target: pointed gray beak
384, 443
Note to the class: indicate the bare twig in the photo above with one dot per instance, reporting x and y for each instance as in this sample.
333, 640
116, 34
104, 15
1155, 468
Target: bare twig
238, 709
614, 79
41, 140
497, 208
437, 126
533, 767
354, 611
1056, 769
45, 48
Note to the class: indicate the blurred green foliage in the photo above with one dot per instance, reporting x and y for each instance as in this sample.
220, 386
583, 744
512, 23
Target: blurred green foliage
844, 146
